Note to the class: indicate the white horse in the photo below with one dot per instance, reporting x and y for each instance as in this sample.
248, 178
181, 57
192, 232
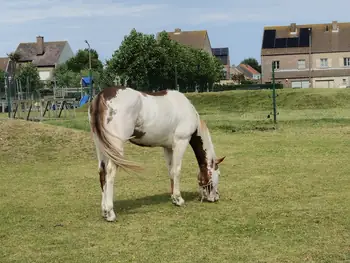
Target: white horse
162, 119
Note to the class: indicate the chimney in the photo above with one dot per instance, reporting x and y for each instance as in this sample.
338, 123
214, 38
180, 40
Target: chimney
335, 26
177, 30
293, 27
39, 45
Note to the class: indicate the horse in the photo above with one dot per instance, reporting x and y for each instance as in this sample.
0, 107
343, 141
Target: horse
166, 119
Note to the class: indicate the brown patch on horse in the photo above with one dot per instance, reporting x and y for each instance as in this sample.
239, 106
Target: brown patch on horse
159, 93
98, 108
138, 134
102, 173
201, 156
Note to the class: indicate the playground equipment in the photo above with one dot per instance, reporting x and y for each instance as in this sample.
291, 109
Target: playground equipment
43, 109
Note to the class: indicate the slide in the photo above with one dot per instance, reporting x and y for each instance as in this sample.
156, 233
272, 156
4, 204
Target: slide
84, 100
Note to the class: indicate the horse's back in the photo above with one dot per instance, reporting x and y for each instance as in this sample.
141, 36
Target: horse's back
164, 116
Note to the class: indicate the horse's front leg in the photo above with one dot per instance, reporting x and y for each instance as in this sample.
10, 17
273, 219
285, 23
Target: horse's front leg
176, 163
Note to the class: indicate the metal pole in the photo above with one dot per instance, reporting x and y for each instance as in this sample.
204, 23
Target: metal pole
176, 78
90, 72
310, 61
274, 94
8, 86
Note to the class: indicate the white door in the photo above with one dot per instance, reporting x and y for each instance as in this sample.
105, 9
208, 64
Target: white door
328, 83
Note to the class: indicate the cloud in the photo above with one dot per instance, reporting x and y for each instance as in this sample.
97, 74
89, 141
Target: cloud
18, 12
268, 11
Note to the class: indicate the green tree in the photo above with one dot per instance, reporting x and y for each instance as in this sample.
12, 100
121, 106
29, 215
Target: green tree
137, 59
2, 78
253, 63
148, 63
65, 77
81, 61
70, 73
28, 72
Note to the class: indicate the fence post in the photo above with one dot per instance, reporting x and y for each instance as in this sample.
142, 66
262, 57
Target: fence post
8, 93
274, 94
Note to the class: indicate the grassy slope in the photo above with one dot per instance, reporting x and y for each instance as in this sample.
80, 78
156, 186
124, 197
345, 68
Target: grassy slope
284, 193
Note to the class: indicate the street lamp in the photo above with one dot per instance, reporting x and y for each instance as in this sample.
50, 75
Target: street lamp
90, 73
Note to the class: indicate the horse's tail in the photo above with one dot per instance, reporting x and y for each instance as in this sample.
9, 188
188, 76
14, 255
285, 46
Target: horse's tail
109, 144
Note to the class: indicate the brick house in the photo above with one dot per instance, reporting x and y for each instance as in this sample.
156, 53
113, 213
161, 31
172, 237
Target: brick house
45, 55
314, 55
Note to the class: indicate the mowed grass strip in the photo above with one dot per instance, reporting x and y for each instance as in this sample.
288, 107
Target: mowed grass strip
284, 196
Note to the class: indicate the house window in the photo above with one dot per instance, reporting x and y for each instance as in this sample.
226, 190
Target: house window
324, 62
344, 81
346, 62
276, 64
301, 63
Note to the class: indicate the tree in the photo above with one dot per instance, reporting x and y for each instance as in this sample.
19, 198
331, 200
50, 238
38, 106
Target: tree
2, 78
14, 56
81, 61
65, 77
253, 63
70, 73
238, 78
149, 63
28, 73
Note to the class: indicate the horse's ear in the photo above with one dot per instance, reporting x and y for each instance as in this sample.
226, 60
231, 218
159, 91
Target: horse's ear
217, 161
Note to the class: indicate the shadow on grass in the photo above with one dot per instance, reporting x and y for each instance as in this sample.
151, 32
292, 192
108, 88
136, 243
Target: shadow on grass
122, 206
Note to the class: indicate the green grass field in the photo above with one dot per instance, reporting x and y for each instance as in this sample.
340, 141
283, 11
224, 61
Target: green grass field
284, 192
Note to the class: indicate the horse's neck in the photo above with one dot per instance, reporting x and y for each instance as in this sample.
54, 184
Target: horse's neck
202, 147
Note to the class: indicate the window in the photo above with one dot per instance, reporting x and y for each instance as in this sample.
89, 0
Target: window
324, 62
346, 62
344, 81
301, 63
276, 64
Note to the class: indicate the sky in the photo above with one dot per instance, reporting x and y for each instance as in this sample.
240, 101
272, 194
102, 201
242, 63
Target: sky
236, 24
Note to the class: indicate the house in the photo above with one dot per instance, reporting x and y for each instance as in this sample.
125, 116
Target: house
195, 39
44, 55
223, 55
313, 55
249, 72
3, 63
7, 66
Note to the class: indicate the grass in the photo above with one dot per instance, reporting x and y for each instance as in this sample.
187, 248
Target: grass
284, 192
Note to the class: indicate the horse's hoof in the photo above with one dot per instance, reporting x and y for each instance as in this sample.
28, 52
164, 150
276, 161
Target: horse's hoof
178, 200
111, 217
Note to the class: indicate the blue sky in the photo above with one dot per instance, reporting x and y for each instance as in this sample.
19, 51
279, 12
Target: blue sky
236, 24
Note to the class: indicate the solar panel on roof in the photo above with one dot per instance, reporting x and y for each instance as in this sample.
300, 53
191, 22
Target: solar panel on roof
293, 42
304, 37
269, 38
220, 51
281, 42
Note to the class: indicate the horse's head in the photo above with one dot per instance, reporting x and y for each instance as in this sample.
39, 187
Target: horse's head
209, 180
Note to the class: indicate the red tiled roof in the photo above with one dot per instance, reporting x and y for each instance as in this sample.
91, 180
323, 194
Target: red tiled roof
249, 68
3, 63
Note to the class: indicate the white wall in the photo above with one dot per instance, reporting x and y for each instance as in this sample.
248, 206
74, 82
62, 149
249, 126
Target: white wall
66, 54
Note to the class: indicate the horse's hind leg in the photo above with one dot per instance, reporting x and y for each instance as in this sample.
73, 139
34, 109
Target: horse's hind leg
108, 198
168, 155
102, 170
